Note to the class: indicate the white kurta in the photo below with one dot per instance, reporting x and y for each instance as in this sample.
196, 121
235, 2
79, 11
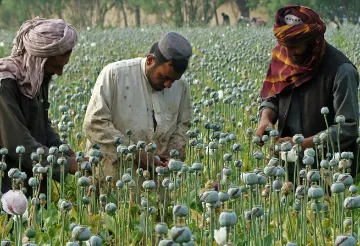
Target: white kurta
123, 99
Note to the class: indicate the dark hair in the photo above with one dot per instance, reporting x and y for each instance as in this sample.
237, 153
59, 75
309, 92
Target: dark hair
180, 65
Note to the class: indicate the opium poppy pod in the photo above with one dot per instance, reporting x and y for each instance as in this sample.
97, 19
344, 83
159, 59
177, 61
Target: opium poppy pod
227, 219
4, 151
20, 150
234, 193
223, 196
313, 176
209, 196
270, 170
6, 243
308, 160
277, 185
110, 208
345, 240
315, 192
167, 243
346, 179
286, 146
352, 202
309, 152
95, 241
149, 185
180, 234
81, 233
257, 211
175, 165
180, 211
340, 119
353, 189
298, 139
250, 178
197, 166
161, 228
83, 181
72, 244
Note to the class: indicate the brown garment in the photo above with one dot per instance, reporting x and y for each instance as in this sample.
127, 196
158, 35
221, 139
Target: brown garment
24, 122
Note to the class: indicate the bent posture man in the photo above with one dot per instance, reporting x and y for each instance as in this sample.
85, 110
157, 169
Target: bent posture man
146, 96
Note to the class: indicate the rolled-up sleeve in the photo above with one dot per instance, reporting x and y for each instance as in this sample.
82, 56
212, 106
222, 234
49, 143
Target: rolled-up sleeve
271, 103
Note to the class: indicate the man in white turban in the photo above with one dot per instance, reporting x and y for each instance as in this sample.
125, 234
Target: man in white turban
42, 47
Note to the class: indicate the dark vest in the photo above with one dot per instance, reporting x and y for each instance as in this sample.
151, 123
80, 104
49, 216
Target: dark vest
314, 94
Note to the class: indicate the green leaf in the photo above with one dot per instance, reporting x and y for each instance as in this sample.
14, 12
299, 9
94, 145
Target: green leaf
268, 240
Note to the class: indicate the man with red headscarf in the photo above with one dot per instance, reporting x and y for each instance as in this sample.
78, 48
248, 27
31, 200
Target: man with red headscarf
306, 74
42, 47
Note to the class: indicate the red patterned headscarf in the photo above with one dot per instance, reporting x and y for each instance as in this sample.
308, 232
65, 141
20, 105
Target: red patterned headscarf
282, 71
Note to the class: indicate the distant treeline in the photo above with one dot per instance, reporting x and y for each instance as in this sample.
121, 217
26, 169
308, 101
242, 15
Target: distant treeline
84, 13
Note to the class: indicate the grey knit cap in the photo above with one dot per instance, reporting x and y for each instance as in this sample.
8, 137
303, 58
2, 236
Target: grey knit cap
174, 46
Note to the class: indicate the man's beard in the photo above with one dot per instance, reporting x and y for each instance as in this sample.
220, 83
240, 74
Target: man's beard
154, 86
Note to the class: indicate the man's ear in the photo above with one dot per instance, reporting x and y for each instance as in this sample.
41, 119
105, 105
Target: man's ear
150, 59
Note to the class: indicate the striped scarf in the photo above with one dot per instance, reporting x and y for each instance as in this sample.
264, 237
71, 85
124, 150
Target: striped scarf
282, 72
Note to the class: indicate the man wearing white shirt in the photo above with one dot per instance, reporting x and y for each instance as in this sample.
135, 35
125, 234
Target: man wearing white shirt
147, 96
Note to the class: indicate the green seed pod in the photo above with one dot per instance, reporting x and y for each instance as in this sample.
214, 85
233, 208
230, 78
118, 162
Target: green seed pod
250, 179
234, 193
6, 243
345, 240
30, 233
20, 150
161, 228
81, 233
180, 234
14, 173
167, 243
227, 219
298, 139
110, 208
180, 211
352, 202
65, 206
85, 200
174, 165
209, 196
346, 179
149, 185
95, 241
33, 182
83, 181
340, 119
315, 192
198, 167
126, 178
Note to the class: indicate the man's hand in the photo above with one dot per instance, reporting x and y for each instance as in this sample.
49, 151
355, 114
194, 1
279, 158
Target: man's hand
73, 165
71, 153
165, 159
285, 139
264, 123
147, 157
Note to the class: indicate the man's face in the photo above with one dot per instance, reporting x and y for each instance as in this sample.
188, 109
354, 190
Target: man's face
55, 65
160, 76
299, 53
